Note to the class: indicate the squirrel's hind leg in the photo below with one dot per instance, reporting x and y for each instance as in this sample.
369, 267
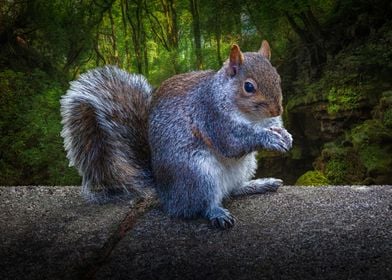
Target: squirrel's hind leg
192, 192
258, 186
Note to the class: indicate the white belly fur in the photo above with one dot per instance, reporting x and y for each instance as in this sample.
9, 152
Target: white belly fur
230, 173
236, 172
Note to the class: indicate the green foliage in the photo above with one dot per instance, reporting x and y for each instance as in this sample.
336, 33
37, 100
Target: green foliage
376, 159
31, 147
386, 99
312, 178
352, 79
342, 99
296, 152
387, 119
364, 157
370, 132
385, 109
340, 164
373, 141
323, 65
336, 170
350, 99
47, 152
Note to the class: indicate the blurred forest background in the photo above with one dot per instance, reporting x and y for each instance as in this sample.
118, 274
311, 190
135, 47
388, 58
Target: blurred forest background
334, 57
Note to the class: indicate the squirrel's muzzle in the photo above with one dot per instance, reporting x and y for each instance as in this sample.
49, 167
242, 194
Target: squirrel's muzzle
275, 111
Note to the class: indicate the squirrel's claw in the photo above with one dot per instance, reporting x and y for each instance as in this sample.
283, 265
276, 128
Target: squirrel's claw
288, 139
221, 218
279, 146
282, 140
225, 222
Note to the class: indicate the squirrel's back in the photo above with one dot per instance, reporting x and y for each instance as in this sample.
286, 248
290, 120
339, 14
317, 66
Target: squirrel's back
105, 119
182, 84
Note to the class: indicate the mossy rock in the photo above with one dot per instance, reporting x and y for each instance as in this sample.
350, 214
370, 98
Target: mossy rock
370, 132
296, 152
373, 141
340, 164
336, 171
312, 178
332, 149
343, 99
377, 159
298, 101
387, 119
386, 99
383, 111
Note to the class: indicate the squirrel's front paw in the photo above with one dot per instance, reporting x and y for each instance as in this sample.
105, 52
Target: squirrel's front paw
221, 218
277, 139
288, 139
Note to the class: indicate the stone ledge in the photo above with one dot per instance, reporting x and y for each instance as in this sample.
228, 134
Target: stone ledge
334, 232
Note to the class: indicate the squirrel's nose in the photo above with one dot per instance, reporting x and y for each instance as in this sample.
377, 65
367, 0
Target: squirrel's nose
276, 111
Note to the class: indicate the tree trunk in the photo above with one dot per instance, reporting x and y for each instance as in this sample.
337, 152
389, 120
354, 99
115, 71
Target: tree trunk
196, 32
218, 31
311, 36
172, 34
127, 61
145, 53
114, 56
135, 19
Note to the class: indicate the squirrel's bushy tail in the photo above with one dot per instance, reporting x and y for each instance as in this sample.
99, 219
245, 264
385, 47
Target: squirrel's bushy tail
105, 118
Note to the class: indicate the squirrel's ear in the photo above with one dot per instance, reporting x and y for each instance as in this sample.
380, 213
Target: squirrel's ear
236, 59
265, 50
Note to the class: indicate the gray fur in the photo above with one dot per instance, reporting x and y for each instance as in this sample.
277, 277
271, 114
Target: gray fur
104, 122
192, 178
200, 148
258, 186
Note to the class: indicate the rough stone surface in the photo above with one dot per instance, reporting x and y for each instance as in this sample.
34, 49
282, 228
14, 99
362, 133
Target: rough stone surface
296, 233
51, 232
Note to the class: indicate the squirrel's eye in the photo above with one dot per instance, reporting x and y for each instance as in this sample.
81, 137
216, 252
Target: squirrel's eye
249, 87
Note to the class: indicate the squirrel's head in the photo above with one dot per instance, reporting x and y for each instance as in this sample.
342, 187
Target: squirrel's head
258, 93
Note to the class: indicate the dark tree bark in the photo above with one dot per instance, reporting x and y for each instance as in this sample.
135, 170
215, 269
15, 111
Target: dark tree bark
114, 56
196, 32
127, 60
171, 22
135, 17
218, 30
312, 37
172, 33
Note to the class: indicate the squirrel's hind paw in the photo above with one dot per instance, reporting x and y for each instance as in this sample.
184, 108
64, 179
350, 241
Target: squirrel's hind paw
221, 218
258, 186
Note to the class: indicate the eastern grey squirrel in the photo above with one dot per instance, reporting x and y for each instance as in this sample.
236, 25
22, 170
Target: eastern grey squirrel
194, 139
